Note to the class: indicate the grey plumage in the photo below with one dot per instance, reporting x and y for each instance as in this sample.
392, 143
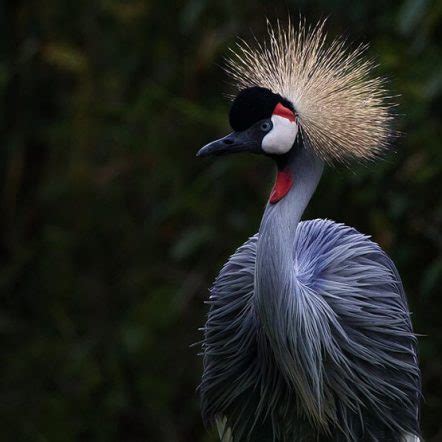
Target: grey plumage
362, 369
325, 351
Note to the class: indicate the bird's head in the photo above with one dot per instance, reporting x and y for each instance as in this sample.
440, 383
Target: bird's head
262, 122
300, 95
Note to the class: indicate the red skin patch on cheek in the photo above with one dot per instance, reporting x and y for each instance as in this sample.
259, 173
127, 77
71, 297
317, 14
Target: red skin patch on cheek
284, 112
283, 183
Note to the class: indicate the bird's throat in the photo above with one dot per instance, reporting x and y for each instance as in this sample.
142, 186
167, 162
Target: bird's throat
282, 186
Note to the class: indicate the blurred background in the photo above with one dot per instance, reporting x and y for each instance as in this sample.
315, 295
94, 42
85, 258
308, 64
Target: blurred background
112, 231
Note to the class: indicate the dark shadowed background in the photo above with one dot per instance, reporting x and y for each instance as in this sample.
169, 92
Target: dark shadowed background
112, 230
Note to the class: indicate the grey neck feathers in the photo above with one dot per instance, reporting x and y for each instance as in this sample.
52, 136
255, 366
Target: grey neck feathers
274, 260
275, 278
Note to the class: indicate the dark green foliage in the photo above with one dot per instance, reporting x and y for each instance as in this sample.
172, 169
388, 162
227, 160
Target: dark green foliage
111, 230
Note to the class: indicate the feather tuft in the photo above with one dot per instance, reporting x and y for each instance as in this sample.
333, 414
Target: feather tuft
343, 111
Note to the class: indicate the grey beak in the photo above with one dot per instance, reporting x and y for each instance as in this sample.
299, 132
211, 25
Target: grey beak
234, 142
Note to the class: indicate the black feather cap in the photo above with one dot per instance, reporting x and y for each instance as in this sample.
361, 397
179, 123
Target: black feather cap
254, 104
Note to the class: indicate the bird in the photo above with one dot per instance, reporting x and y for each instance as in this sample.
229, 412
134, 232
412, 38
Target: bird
308, 334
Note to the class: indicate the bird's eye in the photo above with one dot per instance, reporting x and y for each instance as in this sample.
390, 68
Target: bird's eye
265, 126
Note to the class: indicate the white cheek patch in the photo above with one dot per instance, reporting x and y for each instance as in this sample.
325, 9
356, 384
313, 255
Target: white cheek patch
282, 136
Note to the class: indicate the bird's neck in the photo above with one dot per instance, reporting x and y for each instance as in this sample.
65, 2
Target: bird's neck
280, 220
275, 266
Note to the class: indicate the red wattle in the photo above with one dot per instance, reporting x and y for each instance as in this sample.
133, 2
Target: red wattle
283, 184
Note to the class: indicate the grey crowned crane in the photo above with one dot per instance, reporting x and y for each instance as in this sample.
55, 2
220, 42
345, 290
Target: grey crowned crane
308, 337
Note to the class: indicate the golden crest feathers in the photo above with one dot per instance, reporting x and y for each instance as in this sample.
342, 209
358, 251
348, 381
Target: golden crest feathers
344, 113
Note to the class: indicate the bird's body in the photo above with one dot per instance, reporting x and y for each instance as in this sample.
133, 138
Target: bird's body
247, 378
308, 336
